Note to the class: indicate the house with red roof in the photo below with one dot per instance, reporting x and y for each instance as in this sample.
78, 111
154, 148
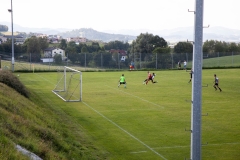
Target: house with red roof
122, 53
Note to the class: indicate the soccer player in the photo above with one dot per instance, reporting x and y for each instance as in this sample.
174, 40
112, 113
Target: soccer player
179, 64
216, 83
191, 72
122, 81
153, 76
185, 65
132, 66
147, 79
150, 78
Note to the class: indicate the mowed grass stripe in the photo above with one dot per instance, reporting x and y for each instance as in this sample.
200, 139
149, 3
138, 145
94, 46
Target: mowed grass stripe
125, 131
130, 94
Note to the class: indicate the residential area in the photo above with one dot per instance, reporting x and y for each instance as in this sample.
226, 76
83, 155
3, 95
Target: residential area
146, 50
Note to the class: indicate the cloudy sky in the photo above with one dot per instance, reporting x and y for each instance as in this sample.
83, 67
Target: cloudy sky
118, 14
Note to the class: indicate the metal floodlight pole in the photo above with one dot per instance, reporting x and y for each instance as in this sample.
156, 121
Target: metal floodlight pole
11, 10
197, 83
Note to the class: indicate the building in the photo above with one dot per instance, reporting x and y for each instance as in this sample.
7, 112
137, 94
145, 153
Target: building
3, 39
120, 52
77, 39
50, 52
17, 38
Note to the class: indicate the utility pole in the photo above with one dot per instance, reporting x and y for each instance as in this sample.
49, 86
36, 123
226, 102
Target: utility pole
196, 106
11, 10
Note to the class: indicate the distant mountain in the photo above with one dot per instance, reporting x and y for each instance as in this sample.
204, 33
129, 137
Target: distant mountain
170, 35
95, 35
18, 28
187, 33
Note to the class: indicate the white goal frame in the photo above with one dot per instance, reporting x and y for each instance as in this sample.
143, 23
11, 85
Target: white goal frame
62, 88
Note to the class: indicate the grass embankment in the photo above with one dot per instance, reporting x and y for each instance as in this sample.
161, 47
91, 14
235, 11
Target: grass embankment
34, 125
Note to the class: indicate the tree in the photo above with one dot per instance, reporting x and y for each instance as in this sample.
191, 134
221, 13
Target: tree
57, 58
43, 42
232, 47
63, 44
33, 46
158, 42
116, 45
145, 44
72, 52
94, 47
3, 28
163, 57
209, 46
7, 47
1, 48
215, 46
220, 46
84, 49
33, 49
183, 47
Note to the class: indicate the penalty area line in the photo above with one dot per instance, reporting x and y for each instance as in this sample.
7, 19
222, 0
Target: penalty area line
124, 130
209, 144
137, 97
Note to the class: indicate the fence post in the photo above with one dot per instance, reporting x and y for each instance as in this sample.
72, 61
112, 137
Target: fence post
140, 60
232, 58
85, 61
101, 60
118, 61
30, 61
156, 60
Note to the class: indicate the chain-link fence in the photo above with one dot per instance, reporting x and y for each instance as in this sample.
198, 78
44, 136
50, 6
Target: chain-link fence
171, 60
105, 61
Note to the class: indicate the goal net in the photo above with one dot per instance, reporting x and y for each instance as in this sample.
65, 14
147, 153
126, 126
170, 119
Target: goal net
69, 84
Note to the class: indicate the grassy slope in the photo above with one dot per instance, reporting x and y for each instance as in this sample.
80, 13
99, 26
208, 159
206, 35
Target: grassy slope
226, 61
40, 128
148, 122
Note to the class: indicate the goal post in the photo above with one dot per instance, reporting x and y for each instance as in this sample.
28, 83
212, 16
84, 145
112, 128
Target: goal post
69, 84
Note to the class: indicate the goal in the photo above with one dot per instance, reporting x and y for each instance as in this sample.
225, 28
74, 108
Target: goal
69, 84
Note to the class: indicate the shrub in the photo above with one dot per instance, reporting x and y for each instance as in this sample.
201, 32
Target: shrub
12, 81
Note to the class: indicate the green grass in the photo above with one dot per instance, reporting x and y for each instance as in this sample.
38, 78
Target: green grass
226, 61
35, 67
40, 128
149, 121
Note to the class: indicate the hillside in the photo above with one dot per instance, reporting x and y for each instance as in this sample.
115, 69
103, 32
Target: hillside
34, 125
171, 35
95, 35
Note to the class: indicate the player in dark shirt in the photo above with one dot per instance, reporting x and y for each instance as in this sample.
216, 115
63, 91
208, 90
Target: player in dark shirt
191, 72
216, 83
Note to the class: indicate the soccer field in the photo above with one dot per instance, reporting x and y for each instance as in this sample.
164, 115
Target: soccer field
150, 121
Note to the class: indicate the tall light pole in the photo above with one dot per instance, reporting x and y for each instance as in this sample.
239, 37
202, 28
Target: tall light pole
11, 10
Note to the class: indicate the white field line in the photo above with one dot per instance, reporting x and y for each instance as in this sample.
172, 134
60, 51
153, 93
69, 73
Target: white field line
219, 144
138, 152
124, 131
130, 110
138, 97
